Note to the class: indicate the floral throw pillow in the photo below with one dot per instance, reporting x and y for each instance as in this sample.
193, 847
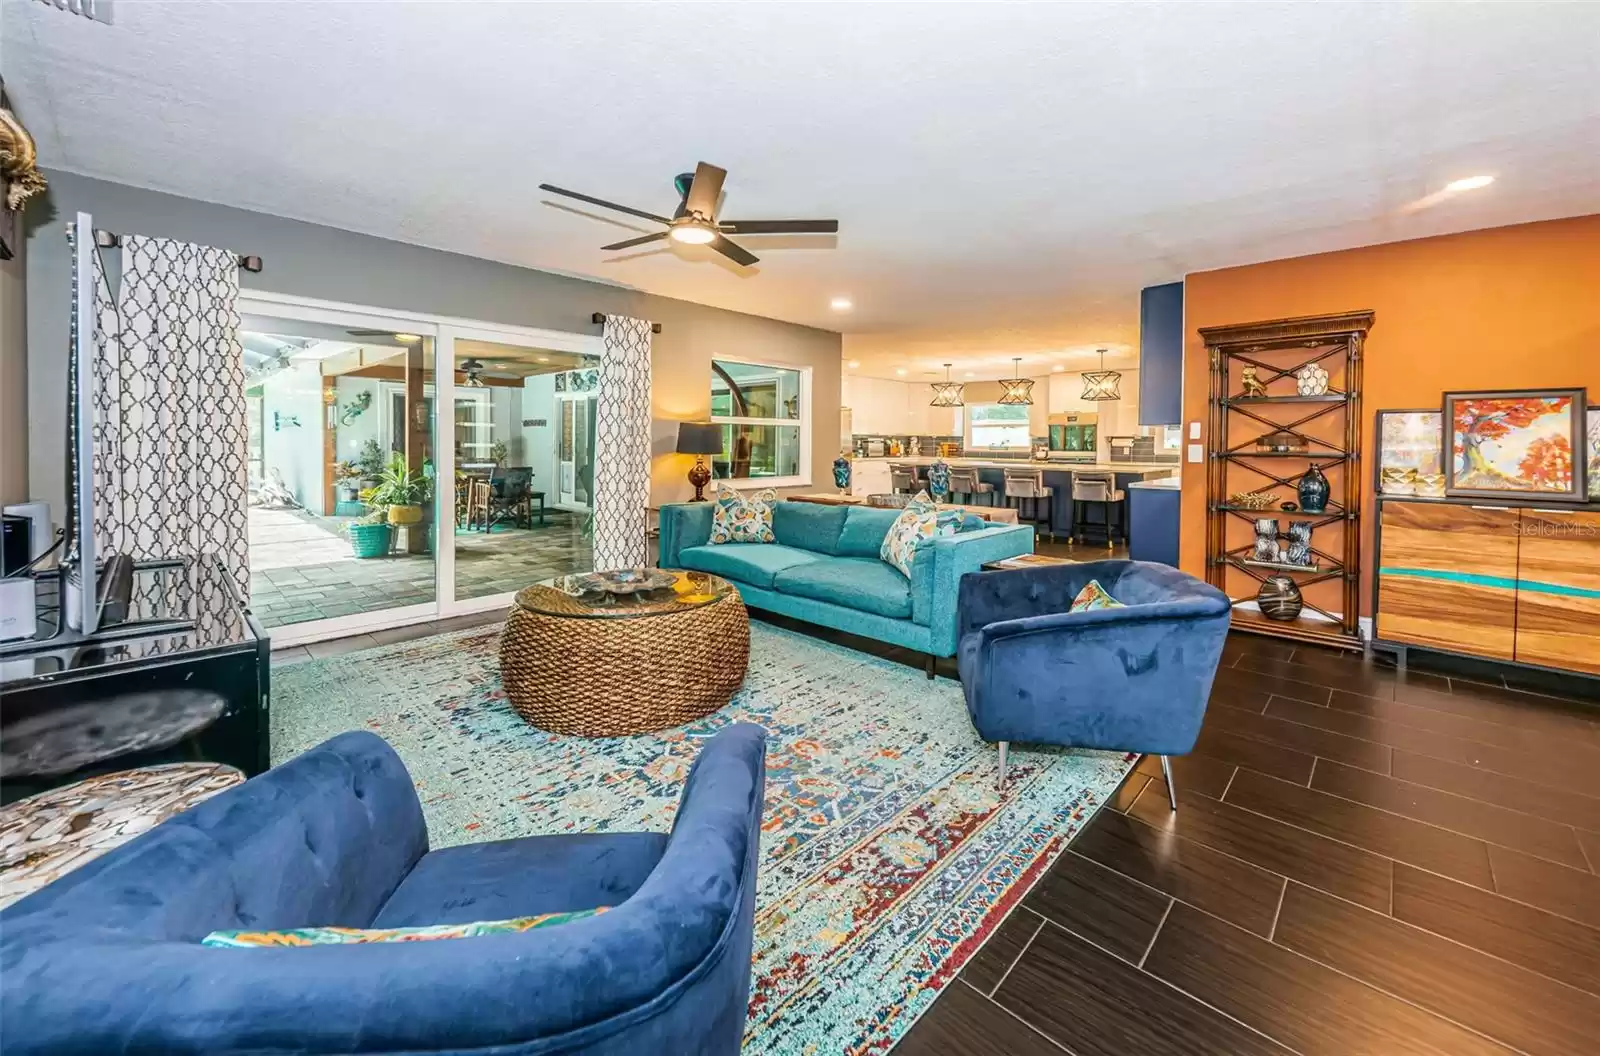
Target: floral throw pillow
742, 519
1094, 596
338, 936
917, 523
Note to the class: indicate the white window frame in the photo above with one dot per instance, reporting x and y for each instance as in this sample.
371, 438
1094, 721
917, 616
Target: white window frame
967, 423
801, 479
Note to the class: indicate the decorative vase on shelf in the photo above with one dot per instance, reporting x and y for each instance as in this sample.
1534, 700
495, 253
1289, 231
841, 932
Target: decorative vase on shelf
1299, 549
1313, 491
1311, 380
1279, 598
841, 474
1267, 548
939, 480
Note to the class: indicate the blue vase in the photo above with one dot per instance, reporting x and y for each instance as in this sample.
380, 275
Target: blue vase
841, 473
1313, 491
939, 481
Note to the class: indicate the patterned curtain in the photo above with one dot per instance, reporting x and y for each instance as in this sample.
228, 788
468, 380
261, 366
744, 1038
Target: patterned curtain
170, 443
622, 445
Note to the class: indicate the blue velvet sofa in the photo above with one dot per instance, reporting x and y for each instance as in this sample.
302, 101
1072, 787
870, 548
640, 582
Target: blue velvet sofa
1132, 679
824, 569
107, 959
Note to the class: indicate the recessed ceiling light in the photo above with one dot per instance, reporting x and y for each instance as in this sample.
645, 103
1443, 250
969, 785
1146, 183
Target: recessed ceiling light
900, 370
542, 359
408, 339
1469, 183
1057, 369
841, 304
853, 364
970, 374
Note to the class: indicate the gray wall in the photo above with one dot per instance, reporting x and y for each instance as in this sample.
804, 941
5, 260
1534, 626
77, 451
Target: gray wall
324, 262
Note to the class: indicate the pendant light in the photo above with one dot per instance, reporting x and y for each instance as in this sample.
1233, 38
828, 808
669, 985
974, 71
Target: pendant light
947, 393
1018, 389
1101, 385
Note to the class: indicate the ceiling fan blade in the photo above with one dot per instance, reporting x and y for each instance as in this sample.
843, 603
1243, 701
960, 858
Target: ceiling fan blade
603, 203
780, 227
734, 252
631, 242
705, 190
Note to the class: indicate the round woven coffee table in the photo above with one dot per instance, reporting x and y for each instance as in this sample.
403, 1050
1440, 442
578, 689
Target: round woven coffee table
578, 659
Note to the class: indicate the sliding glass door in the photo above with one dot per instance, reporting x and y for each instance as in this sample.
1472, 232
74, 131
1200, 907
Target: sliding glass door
517, 520
384, 491
341, 469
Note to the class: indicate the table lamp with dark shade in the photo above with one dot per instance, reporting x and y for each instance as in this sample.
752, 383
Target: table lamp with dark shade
699, 439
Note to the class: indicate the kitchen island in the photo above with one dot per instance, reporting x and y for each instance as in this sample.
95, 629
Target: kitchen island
870, 476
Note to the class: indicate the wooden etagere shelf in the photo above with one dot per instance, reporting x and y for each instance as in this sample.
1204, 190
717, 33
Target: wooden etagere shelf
1275, 350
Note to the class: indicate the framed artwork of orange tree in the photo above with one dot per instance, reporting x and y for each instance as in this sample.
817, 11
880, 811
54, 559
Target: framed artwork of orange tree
1523, 444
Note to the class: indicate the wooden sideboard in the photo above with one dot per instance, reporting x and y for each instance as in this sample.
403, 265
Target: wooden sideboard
1504, 581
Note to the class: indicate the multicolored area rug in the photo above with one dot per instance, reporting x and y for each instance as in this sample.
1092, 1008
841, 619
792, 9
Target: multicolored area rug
888, 856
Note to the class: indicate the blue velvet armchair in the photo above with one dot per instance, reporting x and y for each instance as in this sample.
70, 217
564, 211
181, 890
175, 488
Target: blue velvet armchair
1132, 679
107, 959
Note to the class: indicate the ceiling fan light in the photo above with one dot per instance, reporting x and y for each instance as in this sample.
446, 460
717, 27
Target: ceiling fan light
692, 234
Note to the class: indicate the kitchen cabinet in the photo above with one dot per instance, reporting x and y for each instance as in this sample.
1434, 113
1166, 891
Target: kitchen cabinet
1161, 354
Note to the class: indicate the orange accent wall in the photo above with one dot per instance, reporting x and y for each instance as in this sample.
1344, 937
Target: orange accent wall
1509, 307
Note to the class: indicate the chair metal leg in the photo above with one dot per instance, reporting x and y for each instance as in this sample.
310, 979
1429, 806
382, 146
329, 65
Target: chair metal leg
1003, 746
1172, 790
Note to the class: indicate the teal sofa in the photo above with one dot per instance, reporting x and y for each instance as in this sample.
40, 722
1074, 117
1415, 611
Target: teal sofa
824, 569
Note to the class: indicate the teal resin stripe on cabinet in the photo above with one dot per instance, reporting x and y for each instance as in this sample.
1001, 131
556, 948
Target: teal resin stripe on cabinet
1503, 582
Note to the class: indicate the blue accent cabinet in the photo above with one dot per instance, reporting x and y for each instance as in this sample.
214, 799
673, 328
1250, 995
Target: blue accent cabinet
1153, 522
1161, 354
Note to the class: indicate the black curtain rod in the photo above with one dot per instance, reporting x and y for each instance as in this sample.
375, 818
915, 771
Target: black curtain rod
599, 318
111, 240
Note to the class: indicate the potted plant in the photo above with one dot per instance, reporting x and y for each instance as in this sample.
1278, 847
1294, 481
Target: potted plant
369, 463
400, 491
345, 486
369, 534
498, 452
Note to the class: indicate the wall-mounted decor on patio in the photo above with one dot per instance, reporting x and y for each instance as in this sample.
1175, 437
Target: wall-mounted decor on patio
1518, 443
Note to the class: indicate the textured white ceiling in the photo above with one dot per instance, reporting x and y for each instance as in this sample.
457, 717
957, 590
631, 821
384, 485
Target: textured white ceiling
1006, 176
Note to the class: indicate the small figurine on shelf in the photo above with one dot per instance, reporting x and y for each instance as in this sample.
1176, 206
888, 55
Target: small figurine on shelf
1252, 384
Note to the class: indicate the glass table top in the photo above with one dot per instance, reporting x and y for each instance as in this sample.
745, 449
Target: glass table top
175, 609
624, 594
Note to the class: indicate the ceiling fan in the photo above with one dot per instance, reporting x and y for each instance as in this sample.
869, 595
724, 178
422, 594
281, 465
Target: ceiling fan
695, 221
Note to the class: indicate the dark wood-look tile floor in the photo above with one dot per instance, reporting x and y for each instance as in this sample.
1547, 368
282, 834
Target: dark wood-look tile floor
1361, 862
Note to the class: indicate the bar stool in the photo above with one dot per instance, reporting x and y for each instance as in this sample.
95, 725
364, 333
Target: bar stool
1100, 488
1028, 484
965, 484
903, 478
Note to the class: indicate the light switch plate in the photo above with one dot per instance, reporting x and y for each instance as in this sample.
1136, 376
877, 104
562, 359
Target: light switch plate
1194, 430
1196, 453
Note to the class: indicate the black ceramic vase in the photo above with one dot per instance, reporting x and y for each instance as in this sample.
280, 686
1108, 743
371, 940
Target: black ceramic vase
1313, 491
1279, 598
